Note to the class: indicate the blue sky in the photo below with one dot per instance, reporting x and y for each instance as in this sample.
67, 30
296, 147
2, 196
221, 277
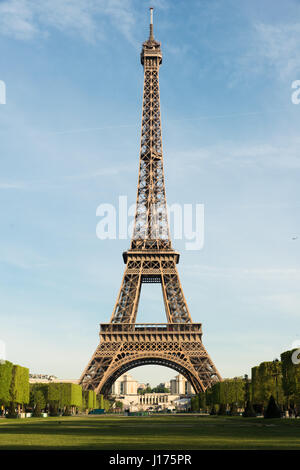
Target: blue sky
69, 141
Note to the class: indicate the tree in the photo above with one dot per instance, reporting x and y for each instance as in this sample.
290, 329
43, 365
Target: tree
272, 410
19, 387
195, 403
202, 400
68, 394
209, 397
38, 395
5, 382
247, 388
12, 410
101, 401
37, 412
38, 402
249, 411
226, 392
75, 396
222, 409
53, 409
67, 411
89, 400
160, 389
233, 410
107, 405
291, 378
266, 380
148, 389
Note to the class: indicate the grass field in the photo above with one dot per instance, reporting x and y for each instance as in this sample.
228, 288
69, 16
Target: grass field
155, 432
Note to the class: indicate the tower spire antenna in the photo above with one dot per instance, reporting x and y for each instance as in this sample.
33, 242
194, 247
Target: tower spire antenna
151, 37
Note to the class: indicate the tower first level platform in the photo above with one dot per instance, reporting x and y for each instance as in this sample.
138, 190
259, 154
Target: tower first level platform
125, 346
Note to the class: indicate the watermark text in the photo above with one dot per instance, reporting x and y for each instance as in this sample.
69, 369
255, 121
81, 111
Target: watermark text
2, 92
151, 222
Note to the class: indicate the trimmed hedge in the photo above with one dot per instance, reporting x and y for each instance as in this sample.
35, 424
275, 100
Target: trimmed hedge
5, 382
76, 395
263, 382
227, 392
65, 394
38, 395
89, 399
100, 400
106, 405
195, 403
290, 378
19, 388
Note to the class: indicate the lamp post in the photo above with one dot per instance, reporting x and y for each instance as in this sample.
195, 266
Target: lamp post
247, 398
235, 386
60, 401
275, 375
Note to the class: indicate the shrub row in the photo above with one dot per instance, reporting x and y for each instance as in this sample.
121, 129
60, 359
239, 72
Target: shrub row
14, 384
16, 391
278, 379
63, 396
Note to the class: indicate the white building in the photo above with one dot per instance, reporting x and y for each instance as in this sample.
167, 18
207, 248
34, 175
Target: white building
148, 401
125, 385
125, 390
162, 401
46, 379
180, 386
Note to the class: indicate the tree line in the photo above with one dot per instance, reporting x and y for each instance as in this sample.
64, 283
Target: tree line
14, 387
17, 395
277, 381
148, 389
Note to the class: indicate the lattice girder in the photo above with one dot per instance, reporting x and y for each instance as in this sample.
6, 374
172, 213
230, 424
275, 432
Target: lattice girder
151, 258
121, 345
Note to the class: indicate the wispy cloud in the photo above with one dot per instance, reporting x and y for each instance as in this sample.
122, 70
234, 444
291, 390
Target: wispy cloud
21, 257
17, 19
284, 154
116, 170
279, 46
263, 49
28, 19
288, 303
13, 185
270, 49
262, 273
91, 129
66, 179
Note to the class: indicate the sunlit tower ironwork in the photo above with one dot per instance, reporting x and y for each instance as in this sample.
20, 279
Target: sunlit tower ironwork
125, 344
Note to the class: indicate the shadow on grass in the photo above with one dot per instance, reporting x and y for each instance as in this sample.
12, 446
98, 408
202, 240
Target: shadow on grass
149, 433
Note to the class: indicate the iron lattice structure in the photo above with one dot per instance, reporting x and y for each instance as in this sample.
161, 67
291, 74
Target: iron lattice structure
124, 344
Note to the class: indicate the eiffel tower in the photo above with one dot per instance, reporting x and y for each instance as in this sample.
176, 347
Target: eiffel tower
125, 344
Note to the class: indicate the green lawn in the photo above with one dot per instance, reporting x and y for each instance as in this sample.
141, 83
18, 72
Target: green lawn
155, 432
